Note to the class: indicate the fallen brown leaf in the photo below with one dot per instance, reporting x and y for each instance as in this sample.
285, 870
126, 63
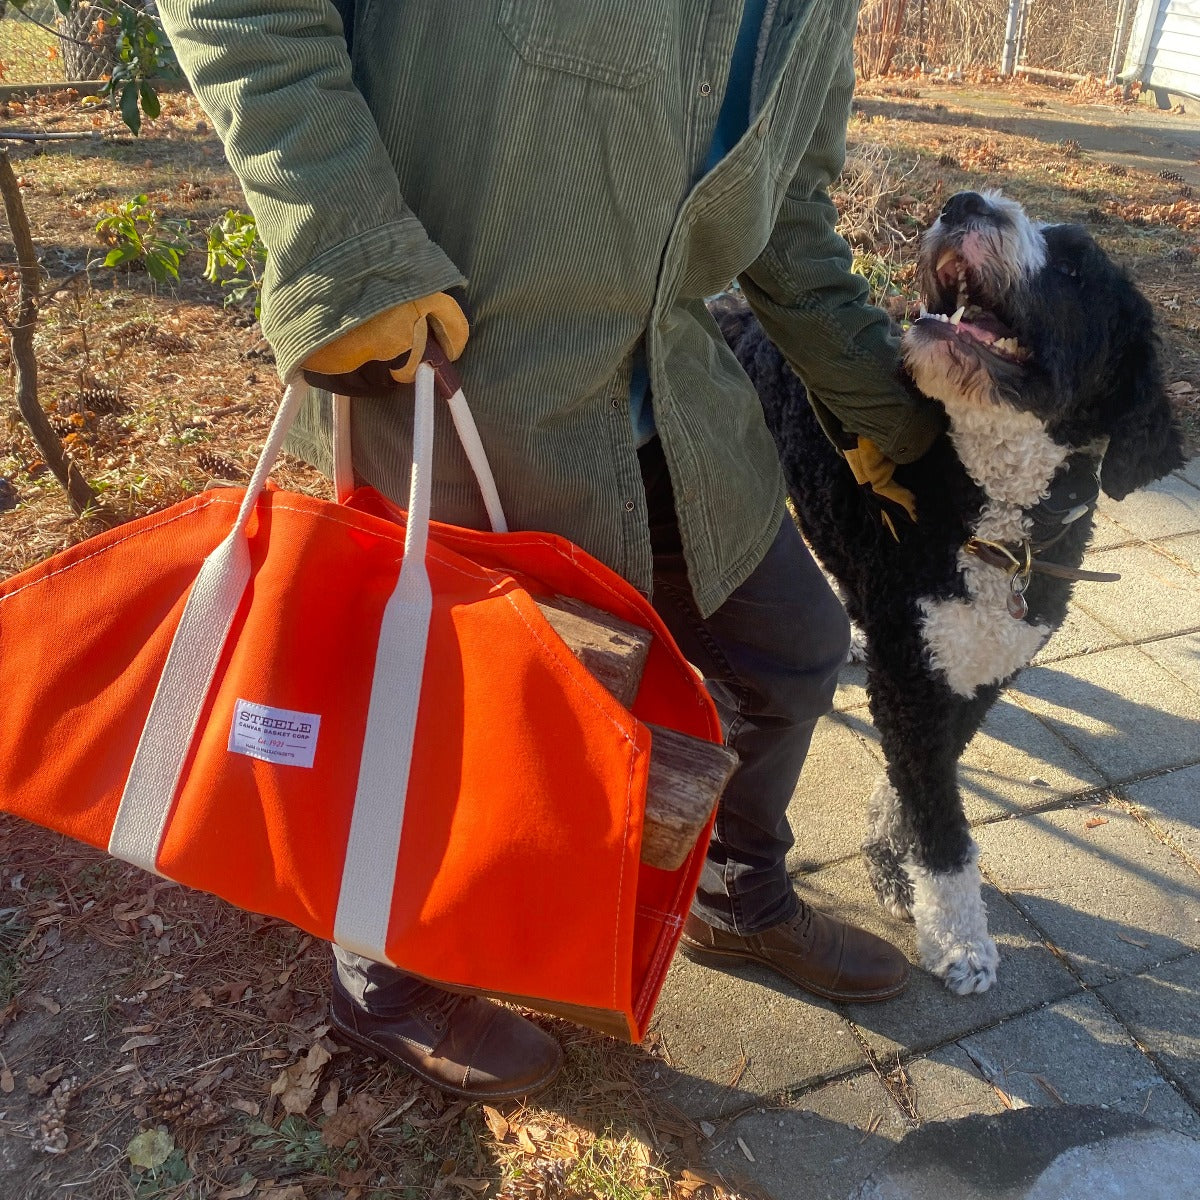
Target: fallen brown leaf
140, 1042
1048, 1088
1092, 822
1133, 941
354, 1120
297, 1085
496, 1122
7, 1083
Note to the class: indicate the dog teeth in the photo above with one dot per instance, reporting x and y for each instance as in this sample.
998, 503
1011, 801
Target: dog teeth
948, 256
957, 314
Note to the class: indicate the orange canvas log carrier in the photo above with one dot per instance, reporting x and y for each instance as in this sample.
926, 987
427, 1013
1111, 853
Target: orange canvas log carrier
358, 721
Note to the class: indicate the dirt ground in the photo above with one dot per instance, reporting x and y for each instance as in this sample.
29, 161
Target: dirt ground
155, 1043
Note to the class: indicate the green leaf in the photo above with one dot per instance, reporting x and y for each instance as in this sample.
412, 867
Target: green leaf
150, 105
114, 258
150, 1149
130, 113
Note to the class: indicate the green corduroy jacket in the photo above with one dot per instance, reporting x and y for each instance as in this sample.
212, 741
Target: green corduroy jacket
548, 155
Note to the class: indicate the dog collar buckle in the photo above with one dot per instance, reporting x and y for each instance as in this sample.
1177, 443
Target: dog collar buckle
996, 554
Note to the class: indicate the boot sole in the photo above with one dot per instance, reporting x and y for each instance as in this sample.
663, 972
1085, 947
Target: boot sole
377, 1051
736, 958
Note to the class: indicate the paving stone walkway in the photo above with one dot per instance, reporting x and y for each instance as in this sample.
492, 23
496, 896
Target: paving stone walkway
1083, 788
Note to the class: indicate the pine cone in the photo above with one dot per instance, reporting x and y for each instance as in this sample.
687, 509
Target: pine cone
1070, 148
172, 1103
50, 1131
1185, 191
947, 160
171, 343
1171, 176
1096, 216
545, 1179
1116, 170
218, 467
62, 428
99, 399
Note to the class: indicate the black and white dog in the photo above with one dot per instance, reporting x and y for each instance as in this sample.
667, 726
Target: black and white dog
1044, 356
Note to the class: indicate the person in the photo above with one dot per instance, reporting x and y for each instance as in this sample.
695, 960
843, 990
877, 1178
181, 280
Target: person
580, 177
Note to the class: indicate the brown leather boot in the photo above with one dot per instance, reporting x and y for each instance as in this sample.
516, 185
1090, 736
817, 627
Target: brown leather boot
462, 1044
820, 953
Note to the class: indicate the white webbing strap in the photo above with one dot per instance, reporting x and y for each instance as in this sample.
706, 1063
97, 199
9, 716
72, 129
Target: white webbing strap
191, 664
369, 875
343, 469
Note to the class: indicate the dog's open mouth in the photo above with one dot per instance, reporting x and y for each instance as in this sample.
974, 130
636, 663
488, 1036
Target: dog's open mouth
961, 306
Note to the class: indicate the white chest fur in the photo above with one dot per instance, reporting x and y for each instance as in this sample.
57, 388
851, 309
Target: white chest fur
975, 641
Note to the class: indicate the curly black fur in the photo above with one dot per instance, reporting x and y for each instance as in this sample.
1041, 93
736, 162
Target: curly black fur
1088, 370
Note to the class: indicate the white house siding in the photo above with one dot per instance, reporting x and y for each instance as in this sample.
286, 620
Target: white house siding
1164, 46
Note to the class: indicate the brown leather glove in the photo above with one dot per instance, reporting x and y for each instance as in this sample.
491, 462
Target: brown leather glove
387, 348
873, 469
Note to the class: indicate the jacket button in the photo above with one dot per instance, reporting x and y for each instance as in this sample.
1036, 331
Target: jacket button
705, 88
616, 403
630, 506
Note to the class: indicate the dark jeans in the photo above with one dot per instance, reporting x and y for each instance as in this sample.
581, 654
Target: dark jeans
770, 657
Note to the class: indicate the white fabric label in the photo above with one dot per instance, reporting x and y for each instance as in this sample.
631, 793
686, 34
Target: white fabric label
276, 735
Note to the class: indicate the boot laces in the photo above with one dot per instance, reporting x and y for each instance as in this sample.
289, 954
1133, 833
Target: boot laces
441, 1005
802, 921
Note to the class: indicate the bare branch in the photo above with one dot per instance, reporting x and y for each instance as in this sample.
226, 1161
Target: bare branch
78, 490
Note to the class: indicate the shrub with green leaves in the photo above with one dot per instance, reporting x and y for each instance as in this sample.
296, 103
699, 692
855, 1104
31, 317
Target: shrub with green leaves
139, 236
236, 257
140, 51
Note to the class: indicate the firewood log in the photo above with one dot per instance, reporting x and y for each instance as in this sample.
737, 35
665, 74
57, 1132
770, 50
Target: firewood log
687, 774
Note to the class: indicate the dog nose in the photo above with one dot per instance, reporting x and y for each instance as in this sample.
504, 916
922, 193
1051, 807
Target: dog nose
962, 206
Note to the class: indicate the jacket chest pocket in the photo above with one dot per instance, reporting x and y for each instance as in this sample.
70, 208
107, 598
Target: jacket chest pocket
622, 43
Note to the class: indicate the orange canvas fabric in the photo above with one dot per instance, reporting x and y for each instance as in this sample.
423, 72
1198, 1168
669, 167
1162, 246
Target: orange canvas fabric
519, 868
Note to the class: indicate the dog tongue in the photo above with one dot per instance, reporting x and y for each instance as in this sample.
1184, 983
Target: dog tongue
984, 325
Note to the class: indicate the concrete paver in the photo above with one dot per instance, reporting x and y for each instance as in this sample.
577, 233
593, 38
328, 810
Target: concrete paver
1107, 893
1076, 1052
946, 1086
1180, 657
821, 1147
1185, 549
1068, 1153
829, 809
1172, 803
1162, 509
1121, 711
1154, 596
1078, 634
1016, 763
735, 1037
1162, 1008
930, 1015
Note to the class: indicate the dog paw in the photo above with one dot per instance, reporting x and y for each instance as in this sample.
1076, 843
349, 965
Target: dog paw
897, 907
971, 968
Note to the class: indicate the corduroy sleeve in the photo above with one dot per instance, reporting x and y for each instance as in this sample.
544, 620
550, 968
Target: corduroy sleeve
274, 75
817, 311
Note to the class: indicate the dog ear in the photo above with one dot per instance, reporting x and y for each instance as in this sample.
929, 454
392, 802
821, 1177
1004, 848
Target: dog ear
1145, 441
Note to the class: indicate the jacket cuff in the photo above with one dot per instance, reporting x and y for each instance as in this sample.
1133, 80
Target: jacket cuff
917, 433
349, 284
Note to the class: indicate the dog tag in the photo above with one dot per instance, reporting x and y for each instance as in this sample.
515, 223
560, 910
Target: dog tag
1017, 606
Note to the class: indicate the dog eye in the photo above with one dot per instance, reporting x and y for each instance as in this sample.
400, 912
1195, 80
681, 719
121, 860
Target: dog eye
1065, 268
